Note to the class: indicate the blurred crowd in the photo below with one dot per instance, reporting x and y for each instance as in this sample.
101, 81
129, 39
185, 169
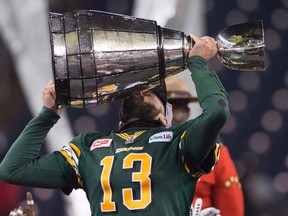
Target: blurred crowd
258, 147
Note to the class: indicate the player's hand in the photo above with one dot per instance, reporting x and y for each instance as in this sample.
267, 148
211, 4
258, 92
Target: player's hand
49, 97
196, 210
27, 210
206, 47
30, 208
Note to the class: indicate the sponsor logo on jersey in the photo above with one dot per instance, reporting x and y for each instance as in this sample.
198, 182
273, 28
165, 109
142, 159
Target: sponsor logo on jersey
166, 136
139, 148
101, 143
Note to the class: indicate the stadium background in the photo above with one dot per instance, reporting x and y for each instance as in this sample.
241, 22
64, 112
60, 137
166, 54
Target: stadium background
256, 132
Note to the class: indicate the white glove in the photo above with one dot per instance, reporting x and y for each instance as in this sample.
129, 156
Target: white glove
211, 211
196, 210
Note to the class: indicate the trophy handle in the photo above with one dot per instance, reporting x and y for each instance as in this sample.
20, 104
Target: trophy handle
241, 46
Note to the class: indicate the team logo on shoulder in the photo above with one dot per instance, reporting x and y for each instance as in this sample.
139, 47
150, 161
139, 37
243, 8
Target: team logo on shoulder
166, 136
101, 143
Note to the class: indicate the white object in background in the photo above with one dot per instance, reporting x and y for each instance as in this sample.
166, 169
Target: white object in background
24, 28
149, 9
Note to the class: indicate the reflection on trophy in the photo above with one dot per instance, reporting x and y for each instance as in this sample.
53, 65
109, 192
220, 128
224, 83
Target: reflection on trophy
99, 57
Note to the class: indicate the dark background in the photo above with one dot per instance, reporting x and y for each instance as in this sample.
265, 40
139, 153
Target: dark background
256, 132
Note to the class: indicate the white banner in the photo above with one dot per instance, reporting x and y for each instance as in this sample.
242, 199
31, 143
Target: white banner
24, 28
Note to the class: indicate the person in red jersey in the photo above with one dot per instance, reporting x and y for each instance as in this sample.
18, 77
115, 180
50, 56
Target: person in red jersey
10, 196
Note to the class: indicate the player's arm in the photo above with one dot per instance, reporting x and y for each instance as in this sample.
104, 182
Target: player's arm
199, 142
22, 164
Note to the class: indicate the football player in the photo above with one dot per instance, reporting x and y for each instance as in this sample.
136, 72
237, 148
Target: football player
144, 168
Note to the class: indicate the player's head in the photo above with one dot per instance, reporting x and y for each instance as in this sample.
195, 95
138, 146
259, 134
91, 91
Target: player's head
145, 106
179, 96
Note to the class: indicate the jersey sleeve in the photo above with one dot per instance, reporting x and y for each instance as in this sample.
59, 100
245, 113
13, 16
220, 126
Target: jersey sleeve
198, 142
23, 165
75, 153
72, 154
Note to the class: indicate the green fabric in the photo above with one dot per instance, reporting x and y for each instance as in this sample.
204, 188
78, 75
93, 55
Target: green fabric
154, 159
170, 198
207, 81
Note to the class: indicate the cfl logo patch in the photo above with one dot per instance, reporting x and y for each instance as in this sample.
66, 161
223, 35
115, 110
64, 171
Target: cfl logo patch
101, 143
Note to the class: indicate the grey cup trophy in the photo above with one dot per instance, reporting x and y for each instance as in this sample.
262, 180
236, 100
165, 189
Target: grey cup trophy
99, 57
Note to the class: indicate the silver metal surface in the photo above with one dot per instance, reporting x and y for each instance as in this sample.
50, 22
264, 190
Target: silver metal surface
99, 57
241, 46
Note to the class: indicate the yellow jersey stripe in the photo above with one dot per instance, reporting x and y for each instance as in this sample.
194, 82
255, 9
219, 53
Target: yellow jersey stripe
76, 149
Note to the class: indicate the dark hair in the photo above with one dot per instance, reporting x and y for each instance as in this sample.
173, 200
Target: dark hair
135, 108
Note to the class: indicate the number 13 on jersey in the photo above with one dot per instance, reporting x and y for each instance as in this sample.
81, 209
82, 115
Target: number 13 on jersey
108, 205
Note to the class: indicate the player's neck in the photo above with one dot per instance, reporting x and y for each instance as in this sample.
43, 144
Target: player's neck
140, 124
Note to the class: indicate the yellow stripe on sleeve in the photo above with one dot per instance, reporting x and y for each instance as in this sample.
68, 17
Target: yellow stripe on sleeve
217, 152
183, 134
76, 149
67, 157
72, 160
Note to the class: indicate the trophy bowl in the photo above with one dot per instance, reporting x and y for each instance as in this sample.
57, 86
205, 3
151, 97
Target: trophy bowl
241, 46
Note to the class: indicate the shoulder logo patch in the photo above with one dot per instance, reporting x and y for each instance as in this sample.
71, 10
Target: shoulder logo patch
166, 136
101, 143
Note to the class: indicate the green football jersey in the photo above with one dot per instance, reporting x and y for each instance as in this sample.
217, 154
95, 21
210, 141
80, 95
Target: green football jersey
136, 172
140, 171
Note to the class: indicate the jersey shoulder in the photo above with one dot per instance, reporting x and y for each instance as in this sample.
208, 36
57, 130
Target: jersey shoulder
85, 140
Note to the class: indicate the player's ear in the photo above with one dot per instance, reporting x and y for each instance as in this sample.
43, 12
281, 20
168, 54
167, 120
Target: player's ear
163, 120
120, 124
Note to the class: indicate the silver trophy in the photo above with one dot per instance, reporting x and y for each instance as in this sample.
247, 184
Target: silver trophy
99, 57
